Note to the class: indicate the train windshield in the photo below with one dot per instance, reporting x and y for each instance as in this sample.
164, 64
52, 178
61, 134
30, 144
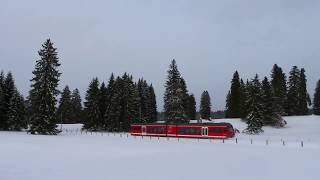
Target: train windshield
228, 129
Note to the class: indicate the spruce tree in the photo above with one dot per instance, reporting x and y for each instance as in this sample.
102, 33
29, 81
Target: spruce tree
17, 112
205, 106
77, 114
91, 106
243, 100
44, 91
267, 100
255, 115
271, 110
233, 98
304, 98
8, 92
108, 118
2, 102
64, 112
279, 88
185, 97
112, 115
103, 104
124, 104
316, 100
153, 101
129, 103
191, 110
293, 92
144, 101
174, 95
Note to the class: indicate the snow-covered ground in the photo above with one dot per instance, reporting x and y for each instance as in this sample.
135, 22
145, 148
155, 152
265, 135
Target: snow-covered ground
102, 156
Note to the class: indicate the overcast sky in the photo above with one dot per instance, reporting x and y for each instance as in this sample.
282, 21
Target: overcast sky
209, 39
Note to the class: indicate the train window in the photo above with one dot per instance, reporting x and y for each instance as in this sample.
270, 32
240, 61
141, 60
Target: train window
197, 131
214, 130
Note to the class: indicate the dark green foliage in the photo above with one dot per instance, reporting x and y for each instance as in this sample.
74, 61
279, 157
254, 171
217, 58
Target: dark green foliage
91, 106
108, 120
103, 104
124, 104
64, 112
271, 110
234, 98
145, 111
304, 98
191, 107
185, 98
153, 100
205, 106
174, 96
255, 104
293, 99
243, 100
17, 112
279, 88
316, 100
44, 91
8, 90
77, 112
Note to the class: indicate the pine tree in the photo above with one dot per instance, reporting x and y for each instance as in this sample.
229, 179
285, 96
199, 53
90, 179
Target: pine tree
77, 114
17, 112
144, 101
8, 92
205, 106
113, 112
64, 112
44, 91
271, 110
279, 88
255, 116
153, 100
174, 95
91, 106
243, 100
267, 100
2, 102
304, 98
109, 114
130, 102
185, 97
191, 110
316, 100
124, 104
293, 92
103, 104
233, 99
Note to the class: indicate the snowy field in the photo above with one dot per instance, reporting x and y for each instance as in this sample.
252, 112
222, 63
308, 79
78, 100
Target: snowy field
276, 154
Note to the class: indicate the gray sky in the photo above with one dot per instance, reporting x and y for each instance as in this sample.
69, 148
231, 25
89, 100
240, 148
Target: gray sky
209, 39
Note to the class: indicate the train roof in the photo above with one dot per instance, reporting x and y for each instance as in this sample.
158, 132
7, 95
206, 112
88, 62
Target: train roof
196, 124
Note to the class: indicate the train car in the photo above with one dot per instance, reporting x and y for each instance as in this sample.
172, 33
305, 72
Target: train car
201, 130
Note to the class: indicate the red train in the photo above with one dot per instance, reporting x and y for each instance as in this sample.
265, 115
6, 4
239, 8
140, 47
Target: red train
203, 130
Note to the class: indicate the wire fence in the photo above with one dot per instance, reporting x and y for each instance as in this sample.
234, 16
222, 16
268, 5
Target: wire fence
266, 142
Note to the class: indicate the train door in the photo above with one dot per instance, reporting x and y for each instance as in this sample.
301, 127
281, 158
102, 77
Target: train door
205, 131
144, 130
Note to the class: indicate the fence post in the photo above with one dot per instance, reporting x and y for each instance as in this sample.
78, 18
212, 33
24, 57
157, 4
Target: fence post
301, 143
251, 141
267, 142
223, 141
283, 143
236, 140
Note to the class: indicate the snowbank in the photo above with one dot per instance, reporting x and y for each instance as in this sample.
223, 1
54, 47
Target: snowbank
72, 155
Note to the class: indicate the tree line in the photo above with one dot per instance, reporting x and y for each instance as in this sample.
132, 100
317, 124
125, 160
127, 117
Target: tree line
264, 102
114, 105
